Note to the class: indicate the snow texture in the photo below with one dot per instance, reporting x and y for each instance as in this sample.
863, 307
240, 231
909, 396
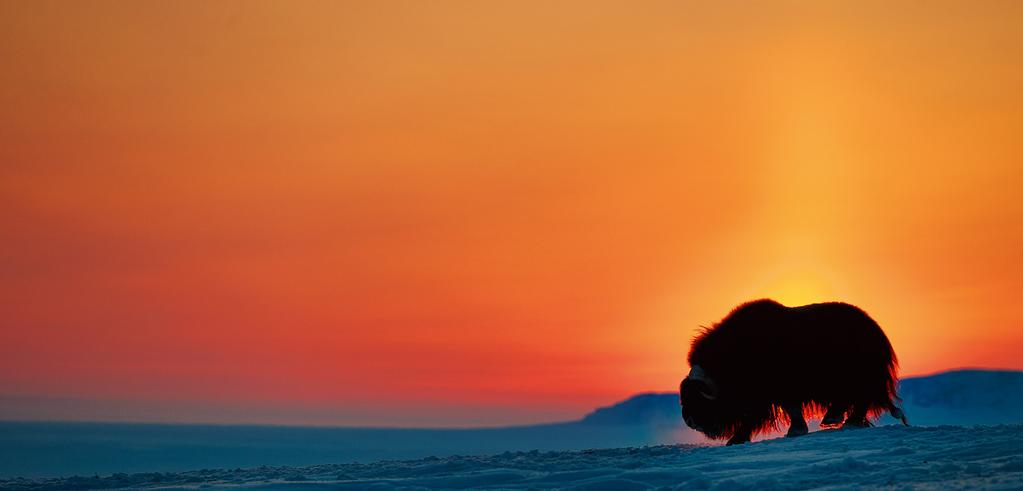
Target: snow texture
890, 457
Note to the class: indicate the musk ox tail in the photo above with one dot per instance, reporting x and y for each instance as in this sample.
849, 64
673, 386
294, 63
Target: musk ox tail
898, 413
893, 384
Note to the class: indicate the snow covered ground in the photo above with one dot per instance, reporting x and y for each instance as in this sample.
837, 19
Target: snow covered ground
167, 456
892, 457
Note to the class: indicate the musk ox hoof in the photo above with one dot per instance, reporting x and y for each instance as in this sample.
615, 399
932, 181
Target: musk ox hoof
800, 431
857, 423
737, 440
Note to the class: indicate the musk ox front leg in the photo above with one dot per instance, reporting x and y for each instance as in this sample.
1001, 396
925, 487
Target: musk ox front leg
742, 434
795, 414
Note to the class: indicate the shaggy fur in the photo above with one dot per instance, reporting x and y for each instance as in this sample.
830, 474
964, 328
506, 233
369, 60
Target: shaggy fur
765, 358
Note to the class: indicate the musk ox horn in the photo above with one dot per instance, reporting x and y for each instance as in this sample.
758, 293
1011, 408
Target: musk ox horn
698, 375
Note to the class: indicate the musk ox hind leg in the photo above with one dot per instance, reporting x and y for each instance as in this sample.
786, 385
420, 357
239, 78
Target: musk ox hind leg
857, 418
835, 414
798, 426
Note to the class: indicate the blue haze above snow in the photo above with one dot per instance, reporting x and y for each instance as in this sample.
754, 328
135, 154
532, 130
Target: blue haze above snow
965, 397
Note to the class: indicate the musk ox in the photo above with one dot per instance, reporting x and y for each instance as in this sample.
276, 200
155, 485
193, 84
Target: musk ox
765, 363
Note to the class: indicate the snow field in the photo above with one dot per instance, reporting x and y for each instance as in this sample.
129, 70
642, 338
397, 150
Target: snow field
889, 457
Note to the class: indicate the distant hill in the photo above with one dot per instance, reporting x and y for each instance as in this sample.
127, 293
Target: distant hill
963, 397
642, 409
958, 397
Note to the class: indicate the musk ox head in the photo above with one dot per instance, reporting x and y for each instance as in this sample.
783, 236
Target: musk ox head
701, 405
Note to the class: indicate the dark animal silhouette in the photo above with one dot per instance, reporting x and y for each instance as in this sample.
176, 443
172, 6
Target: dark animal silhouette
766, 363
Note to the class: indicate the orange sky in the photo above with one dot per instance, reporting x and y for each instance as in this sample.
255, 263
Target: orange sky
484, 213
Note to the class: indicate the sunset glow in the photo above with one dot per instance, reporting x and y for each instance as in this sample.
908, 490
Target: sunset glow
474, 213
